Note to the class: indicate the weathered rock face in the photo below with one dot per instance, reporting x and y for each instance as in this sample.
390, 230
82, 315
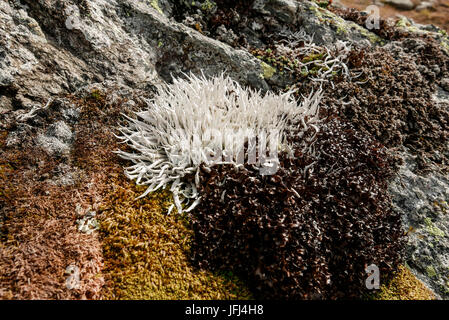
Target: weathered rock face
422, 201
53, 48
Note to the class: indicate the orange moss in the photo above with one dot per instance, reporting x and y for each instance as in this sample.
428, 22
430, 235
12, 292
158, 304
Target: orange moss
404, 286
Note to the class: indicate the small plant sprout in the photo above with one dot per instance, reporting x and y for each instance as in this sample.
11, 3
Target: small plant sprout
199, 121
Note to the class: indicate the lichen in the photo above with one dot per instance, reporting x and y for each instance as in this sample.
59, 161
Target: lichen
441, 35
155, 5
268, 71
405, 23
445, 45
342, 25
432, 229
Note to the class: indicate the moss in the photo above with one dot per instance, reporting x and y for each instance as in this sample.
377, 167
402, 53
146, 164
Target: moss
323, 4
404, 286
430, 270
313, 57
97, 95
3, 137
146, 251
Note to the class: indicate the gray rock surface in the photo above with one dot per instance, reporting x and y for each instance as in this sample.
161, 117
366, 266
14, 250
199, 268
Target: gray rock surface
401, 4
49, 47
423, 201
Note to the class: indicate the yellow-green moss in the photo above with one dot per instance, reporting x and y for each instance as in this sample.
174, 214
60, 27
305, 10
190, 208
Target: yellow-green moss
97, 95
404, 286
146, 252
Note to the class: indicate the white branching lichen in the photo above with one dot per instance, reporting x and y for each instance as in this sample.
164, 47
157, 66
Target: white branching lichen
198, 121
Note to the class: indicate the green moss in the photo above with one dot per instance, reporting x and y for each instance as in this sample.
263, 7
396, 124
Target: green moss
313, 57
322, 4
404, 286
430, 270
97, 95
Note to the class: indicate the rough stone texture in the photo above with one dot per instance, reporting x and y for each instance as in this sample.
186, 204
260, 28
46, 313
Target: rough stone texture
50, 48
423, 203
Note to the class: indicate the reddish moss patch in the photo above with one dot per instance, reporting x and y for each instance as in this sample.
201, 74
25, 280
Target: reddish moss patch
40, 236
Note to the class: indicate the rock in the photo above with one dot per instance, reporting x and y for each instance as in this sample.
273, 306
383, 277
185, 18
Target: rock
57, 140
424, 5
284, 10
423, 201
401, 4
101, 43
225, 35
61, 131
